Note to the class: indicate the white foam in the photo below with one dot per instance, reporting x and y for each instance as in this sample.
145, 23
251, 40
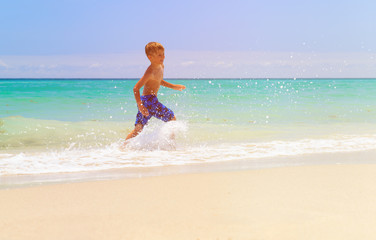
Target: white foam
158, 136
145, 151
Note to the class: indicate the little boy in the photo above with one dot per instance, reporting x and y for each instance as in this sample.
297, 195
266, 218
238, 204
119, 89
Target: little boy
148, 104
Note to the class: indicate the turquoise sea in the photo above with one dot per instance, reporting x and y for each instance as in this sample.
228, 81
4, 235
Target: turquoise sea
77, 125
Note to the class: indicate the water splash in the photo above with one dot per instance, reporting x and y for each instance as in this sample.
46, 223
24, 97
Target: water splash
160, 136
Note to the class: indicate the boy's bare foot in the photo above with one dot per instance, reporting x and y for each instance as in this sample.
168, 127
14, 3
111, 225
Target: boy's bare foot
123, 147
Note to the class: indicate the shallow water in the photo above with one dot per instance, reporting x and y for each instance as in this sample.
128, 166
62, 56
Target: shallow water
53, 126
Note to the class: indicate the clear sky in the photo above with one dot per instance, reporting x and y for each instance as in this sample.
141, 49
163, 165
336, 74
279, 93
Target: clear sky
203, 38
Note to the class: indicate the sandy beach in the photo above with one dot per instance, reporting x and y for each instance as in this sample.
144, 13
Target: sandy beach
306, 202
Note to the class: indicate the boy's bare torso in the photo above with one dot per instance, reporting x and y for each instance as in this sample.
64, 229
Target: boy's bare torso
154, 79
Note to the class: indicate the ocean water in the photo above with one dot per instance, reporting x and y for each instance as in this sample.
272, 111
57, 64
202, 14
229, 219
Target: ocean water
77, 125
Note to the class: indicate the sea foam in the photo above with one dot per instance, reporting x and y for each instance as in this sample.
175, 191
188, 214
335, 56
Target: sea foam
155, 148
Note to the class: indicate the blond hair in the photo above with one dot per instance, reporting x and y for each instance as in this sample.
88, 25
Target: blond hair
152, 48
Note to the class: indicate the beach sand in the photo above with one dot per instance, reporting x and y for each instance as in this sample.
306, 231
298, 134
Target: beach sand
306, 202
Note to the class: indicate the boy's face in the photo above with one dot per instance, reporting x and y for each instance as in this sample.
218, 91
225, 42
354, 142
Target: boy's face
157, 58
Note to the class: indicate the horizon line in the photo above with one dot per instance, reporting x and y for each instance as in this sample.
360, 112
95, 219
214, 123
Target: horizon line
187, 78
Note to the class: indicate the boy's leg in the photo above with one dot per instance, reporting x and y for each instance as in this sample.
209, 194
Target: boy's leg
141, 121
172, 137
137, 129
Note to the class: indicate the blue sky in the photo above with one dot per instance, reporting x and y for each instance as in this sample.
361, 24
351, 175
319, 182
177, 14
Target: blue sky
269, 38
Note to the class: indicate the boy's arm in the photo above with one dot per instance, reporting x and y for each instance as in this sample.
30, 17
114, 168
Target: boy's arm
172, 86
137, 96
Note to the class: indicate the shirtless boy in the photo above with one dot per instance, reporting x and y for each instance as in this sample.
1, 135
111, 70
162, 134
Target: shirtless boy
148, 104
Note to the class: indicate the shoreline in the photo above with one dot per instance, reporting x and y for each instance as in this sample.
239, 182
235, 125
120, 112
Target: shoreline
301, 202
21, 181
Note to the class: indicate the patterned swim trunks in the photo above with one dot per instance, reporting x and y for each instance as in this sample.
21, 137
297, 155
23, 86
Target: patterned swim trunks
155, 109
